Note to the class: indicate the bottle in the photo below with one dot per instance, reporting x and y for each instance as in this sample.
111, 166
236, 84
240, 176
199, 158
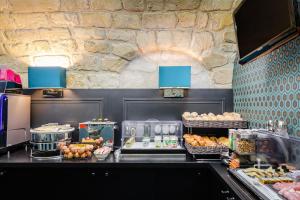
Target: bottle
173, 137
146, 136
166, 136
157, 137
131, 141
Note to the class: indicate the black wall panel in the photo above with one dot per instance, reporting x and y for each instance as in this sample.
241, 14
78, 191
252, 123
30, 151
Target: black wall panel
81, 105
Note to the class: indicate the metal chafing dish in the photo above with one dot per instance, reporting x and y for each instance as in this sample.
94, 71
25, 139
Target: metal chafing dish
45, 140
45, 146
51, 133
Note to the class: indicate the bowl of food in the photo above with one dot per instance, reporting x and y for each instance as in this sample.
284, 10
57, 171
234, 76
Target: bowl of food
77, 151
102, 153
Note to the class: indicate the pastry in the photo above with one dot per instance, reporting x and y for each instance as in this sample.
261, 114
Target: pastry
226, 116
186, 114
205, 141
194, 143
194, 114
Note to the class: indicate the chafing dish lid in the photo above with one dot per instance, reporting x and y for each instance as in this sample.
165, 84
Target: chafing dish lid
53, 128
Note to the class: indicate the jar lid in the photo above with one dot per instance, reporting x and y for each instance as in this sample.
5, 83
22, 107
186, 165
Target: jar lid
246, 135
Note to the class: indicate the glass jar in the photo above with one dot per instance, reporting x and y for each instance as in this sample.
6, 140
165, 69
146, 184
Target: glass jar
166, 136
173, 143
166, 141
157, 136
146, 136
157, 141
245, 143
232, 138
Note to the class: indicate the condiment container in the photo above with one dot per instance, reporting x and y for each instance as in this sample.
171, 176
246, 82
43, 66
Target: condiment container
245, 142
157, 141
173, 141
166, 140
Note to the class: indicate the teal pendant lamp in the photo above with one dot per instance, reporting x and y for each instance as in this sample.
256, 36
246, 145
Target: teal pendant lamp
51, 79
174, 79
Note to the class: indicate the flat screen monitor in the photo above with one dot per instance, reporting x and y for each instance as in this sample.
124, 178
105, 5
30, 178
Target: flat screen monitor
260, 24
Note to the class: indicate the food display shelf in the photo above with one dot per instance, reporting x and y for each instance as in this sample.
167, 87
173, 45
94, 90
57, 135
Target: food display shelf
215, 124
262, 190
152, 136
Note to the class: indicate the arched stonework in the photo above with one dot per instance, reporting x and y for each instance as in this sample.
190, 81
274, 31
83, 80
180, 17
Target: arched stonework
100, 41
144, 70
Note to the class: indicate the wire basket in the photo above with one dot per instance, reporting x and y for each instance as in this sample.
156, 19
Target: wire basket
205, 150
215, 124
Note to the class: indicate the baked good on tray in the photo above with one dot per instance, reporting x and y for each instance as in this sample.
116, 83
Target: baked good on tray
205, 141
226, 116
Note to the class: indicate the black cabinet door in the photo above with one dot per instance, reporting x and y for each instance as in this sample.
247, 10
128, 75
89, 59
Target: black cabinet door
124, 183
37, 183
133, 183
159, 183
219, 190
183, 183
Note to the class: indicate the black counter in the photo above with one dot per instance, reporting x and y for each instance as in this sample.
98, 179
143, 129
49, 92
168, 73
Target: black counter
231, 181
23, 160
130, 178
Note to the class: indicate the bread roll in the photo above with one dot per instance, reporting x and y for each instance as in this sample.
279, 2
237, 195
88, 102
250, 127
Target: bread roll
220, 117
194, 114
186, 114
211, 114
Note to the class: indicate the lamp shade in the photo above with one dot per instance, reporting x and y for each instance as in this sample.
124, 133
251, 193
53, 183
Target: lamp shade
46, 77
174, 76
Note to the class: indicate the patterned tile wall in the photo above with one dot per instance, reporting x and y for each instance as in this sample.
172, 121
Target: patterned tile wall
269, 88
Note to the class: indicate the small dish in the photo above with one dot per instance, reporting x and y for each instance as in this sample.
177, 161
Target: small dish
102, 153
101, 156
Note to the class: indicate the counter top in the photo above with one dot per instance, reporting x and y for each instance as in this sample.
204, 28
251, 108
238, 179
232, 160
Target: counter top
21, 159
235, 185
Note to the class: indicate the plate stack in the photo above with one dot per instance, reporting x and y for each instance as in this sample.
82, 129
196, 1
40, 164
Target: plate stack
45, 140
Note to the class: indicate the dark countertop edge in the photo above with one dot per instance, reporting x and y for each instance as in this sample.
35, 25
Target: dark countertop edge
103, 165
217, 167
21, 159
255, 192
220, 170
242, 191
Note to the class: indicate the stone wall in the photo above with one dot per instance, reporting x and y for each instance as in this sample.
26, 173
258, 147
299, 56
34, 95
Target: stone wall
120, 43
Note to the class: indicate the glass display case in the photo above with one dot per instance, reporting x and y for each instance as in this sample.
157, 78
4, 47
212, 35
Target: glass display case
274, 173
152, 135
97, 132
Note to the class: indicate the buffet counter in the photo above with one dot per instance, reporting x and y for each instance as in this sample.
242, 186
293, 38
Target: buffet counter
235, 185
23, 159
169, 176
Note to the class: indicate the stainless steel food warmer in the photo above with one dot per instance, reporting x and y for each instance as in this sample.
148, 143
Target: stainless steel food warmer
45, 140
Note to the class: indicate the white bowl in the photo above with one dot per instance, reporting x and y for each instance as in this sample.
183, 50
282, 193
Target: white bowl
101, 156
